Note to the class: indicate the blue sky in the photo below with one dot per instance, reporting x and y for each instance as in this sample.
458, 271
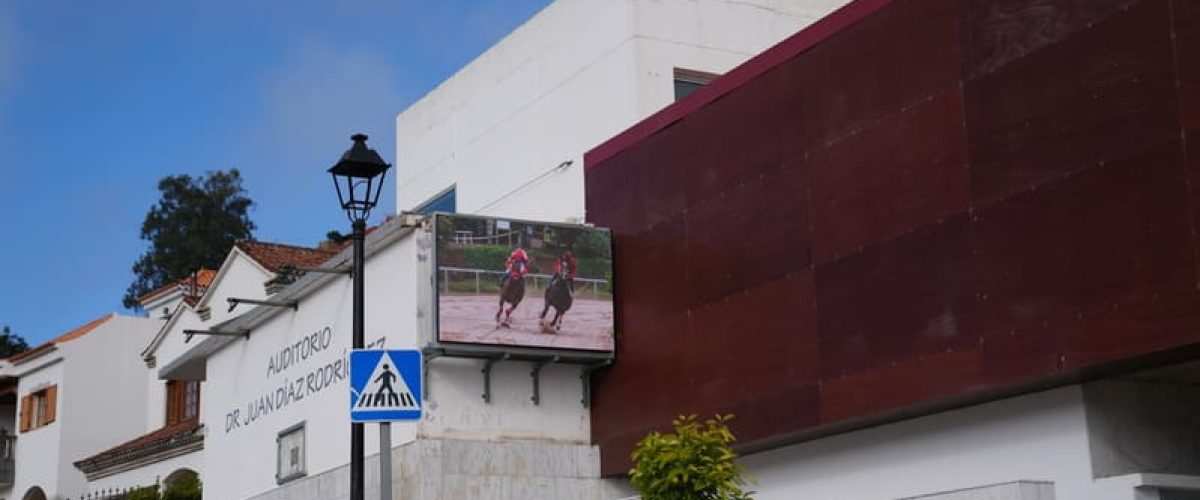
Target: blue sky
99, 100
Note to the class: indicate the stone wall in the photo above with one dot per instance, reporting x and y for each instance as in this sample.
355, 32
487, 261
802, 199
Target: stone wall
436, 469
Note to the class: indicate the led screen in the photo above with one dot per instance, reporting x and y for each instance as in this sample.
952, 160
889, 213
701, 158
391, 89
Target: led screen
527, 284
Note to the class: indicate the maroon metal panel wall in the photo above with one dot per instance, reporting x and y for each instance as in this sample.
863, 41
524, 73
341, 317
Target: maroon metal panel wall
938, 198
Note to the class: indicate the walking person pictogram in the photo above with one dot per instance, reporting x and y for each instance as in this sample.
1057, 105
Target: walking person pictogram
385, 386
386, 395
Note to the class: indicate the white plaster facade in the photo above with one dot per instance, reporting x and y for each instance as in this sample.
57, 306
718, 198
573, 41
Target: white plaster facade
240, 276
1047, 438
94, 375
575, 74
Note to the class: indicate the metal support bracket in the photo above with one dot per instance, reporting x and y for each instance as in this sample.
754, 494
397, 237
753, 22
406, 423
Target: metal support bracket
487, 376
233, 302
585, 377
327, 270
430, 355
536, 374
239, 333
538, 359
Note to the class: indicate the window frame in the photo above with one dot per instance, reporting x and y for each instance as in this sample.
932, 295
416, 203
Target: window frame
691, 77
182, 403
424, 207
39, 408
302, 469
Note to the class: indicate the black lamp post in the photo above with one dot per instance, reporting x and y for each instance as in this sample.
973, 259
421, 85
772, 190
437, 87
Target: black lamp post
358, 177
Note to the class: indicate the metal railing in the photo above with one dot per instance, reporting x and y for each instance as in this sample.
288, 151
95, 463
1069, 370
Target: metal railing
119, 493
581, 284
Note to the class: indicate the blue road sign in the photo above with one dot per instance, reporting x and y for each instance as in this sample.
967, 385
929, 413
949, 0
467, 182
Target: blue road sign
385, 386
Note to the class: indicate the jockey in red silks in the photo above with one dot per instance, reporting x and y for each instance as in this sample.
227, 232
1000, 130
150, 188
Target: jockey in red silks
565, 267
517, 265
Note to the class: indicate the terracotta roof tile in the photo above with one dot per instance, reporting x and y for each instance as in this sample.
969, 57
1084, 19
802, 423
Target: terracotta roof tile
275, 256
71, 335
168, 437
204, 277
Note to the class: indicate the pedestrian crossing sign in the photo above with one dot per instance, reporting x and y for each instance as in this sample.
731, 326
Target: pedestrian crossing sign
385, 386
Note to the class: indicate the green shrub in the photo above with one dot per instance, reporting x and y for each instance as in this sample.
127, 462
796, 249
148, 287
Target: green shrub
184, 488
143, 493
694, 463
485, 256
593, 243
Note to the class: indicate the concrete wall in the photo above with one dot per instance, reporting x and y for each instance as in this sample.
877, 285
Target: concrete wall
572, 76
472, 470
1041, 437
101, 401
1019, 490
712, 36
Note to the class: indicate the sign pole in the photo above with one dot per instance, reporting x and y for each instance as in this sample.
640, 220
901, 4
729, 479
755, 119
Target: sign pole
385, 461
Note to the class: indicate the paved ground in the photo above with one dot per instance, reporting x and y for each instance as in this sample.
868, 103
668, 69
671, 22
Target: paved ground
471, 318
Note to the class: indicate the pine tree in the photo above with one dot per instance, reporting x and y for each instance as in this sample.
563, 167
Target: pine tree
193, 225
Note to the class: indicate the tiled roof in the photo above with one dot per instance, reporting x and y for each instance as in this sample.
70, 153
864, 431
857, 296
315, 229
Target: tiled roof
166, 438
275, 256
71, 335
204, 277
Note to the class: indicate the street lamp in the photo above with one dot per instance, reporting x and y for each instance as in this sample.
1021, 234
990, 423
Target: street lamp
358, 190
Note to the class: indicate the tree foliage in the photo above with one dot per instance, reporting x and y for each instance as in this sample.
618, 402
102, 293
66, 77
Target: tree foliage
193, 225
185, 488
694, 463
11, 343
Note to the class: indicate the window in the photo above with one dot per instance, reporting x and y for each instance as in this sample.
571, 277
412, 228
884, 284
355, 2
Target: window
444, 201
39, 408
290, 454
689, 80
183, 401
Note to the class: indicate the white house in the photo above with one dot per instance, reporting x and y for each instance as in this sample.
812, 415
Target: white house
171, 444
60, 386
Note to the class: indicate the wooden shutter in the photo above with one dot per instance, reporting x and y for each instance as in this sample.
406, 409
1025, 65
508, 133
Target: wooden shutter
51, 404
26, 400
174, 402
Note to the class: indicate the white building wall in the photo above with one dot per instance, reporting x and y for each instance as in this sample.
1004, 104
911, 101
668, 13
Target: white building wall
239, 277
101, 401
575, 74
713, 36
36, 455
173, 344
1037, 437
241, 458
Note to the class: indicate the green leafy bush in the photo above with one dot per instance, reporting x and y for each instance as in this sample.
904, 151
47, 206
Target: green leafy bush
694, 463
593, 243
143, 493
485, 256
184, 488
